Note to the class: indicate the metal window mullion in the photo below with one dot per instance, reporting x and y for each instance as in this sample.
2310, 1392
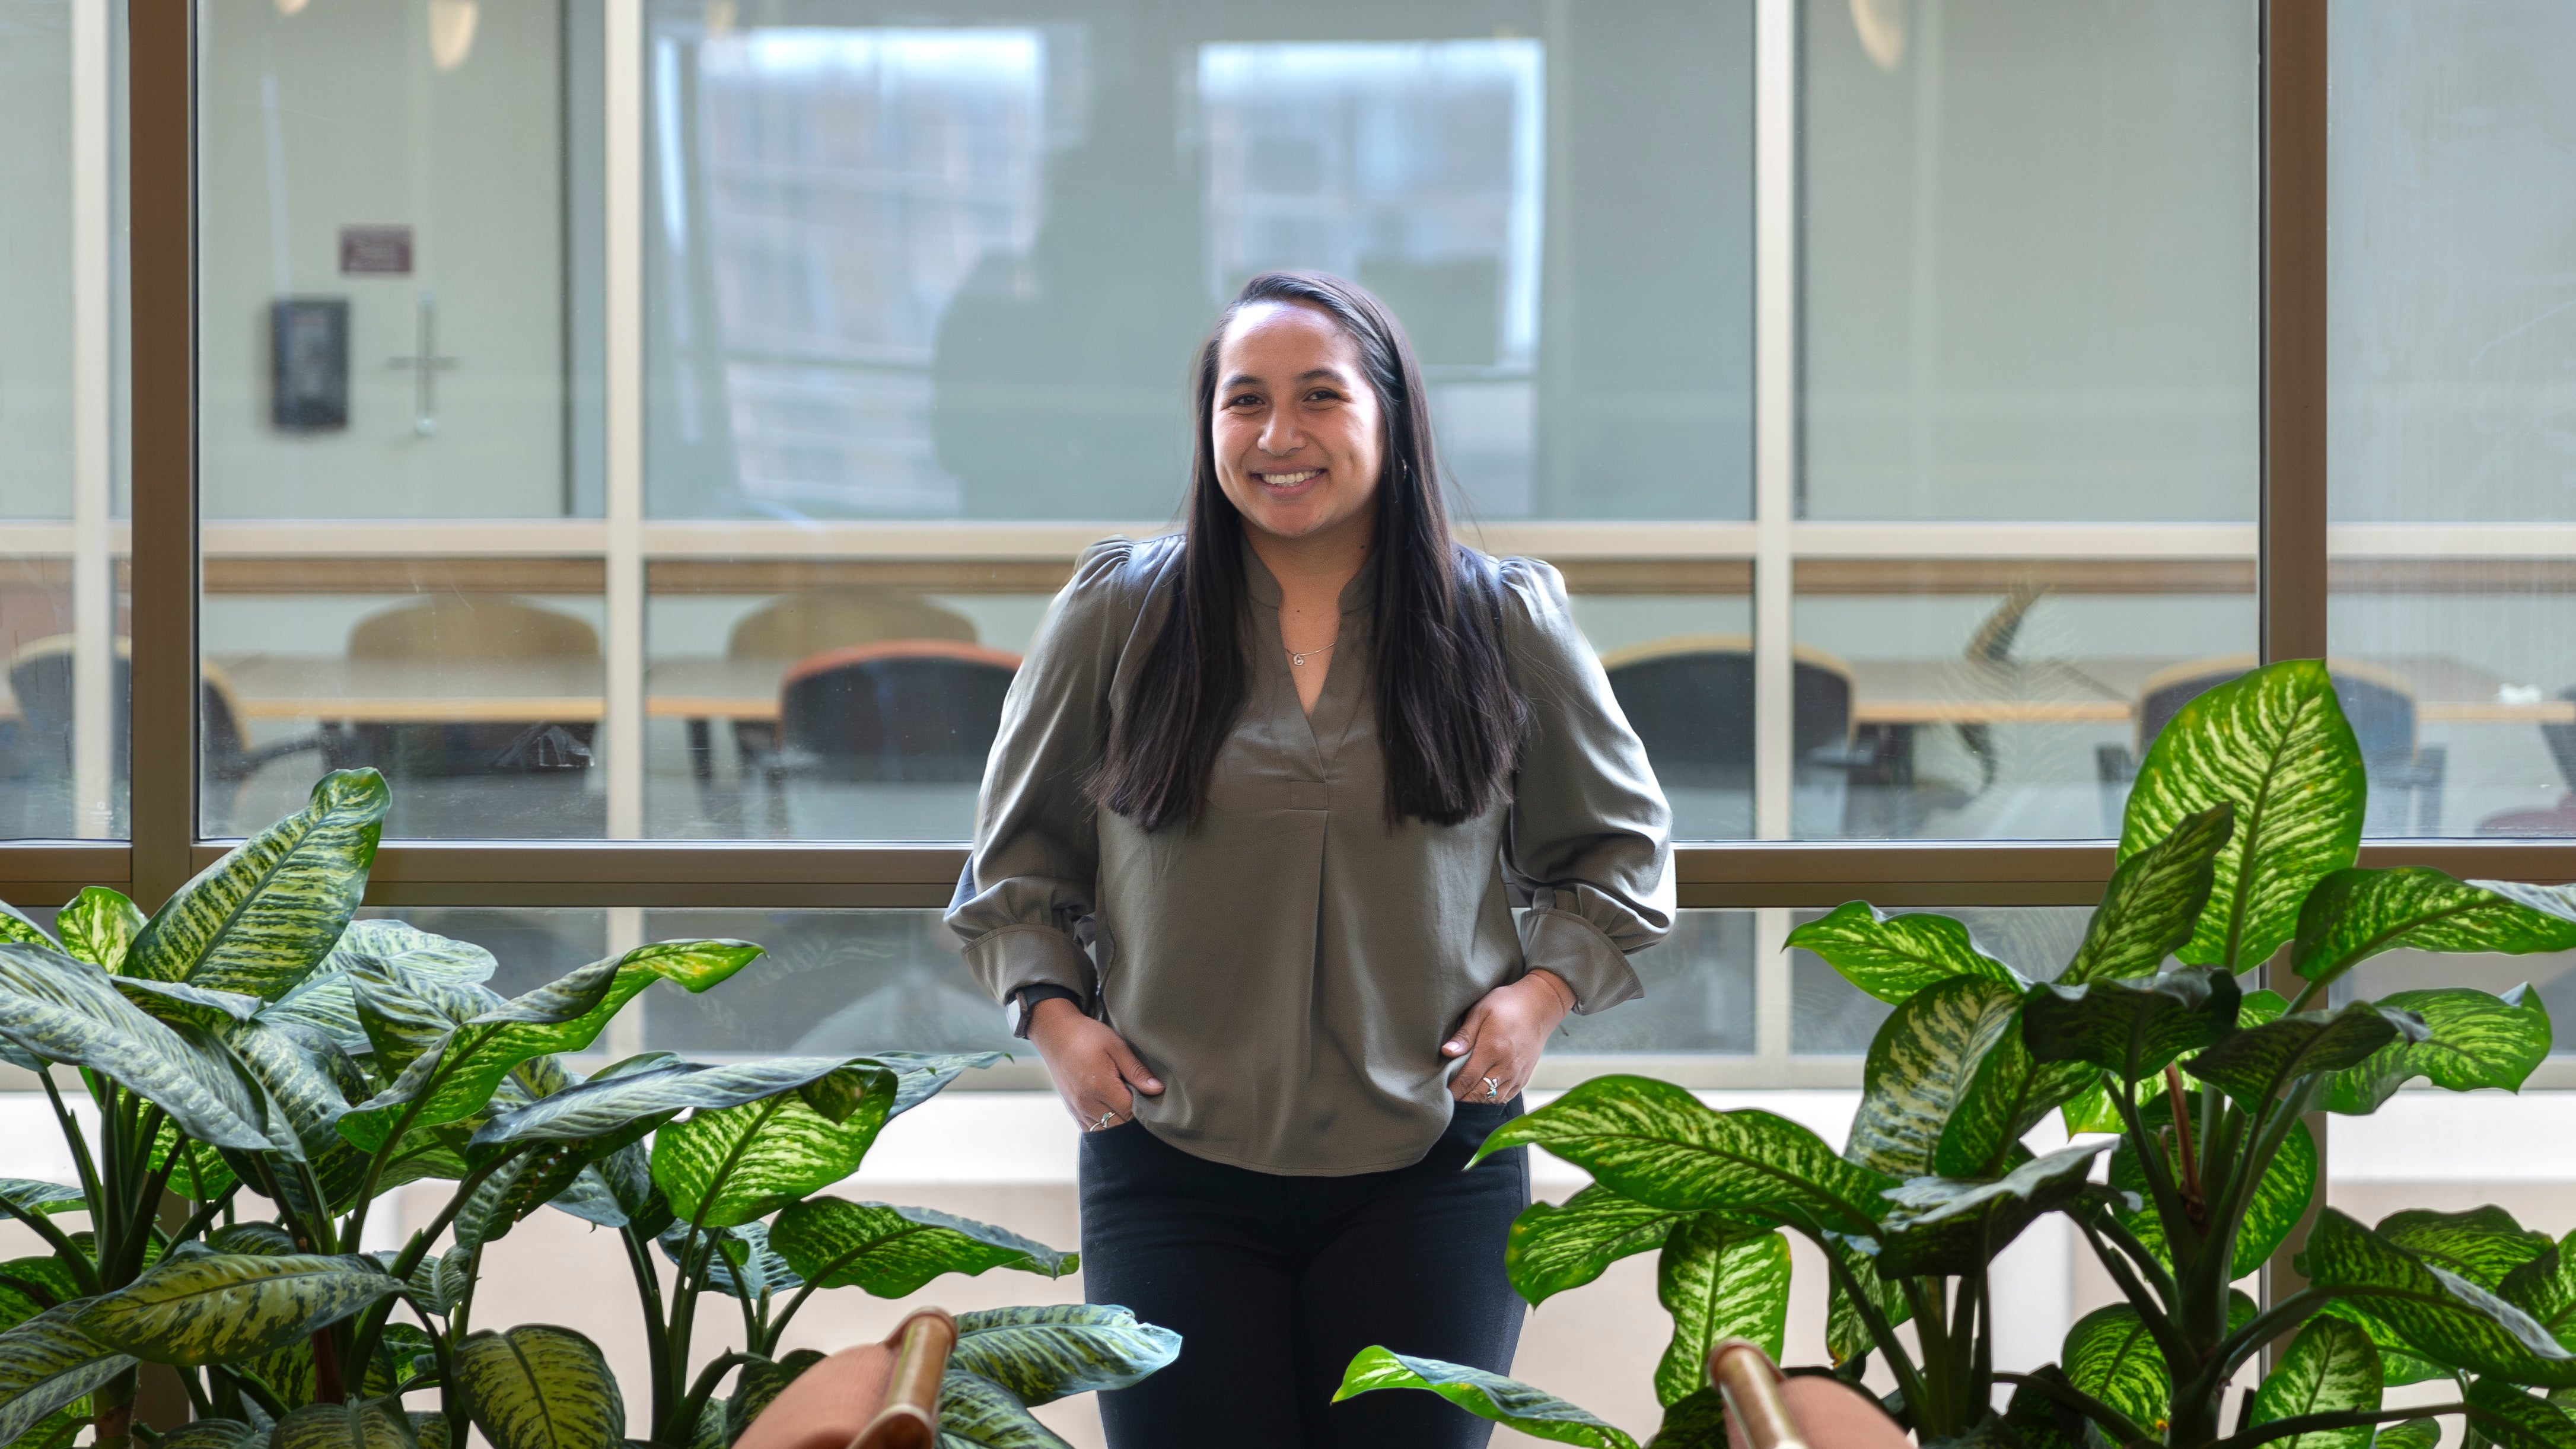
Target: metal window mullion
93, 386
1775, 415
162, 359
622, 721
2291, 570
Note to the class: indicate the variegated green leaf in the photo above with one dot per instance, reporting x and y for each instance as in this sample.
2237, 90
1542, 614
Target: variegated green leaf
99, 926
48, 1362
266, 1240
181, 1004
2130, 1028
1947, 1227
1656, 1143
391, 951
2545, 1288
566, 1015
1718, 1281
2331, 1368
41, 1197
651, 1092
541, 1387
1892, 957
306, 1076
1533, 1411
2482, 1244
2408, 1434
357, 1424
734, 1164
2256, 1066
2354, 915
1697, 1421
2509, 1417
260, 919
977, 1413
2280, 1198
2274, 744
2039, 1419
2109, 1355
216, 1434
1919, 1064
220, 1307
891, 1252
737, 1260
2475, 1040
2154, 900
919, 1076
1556, 1246
1045, 1354
14, 926
2439, 1314
1847, 1332
2006, 1096
70, 1011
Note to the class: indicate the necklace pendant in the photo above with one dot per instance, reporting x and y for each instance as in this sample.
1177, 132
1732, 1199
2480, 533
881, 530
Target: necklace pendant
1297, 660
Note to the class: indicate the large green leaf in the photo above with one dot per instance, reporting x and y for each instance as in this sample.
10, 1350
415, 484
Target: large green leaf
99, 926
2510, 1418
2439, 1314
734, 1164
1847, 1332
2274, 744
41, 1197
2006, 1096
65, 1010
890, 1252
1697, 1421
565, 1015
2545, 1288
2331, 1368
2154, 900
919, 1076
45, 1275
181, 1004
357, 1424
2038, 1419
977, 1413
1533, 1411
2408, 1434
2354, 915
48, 1362
388, 950
2477, 1040
1718, 1281
1892, 957
761, 1382
1556, 1246
2280, 1196
219, 1307
2130, 1028
541, 1387
1656, 1143
308, 1080
1919, 1064
1045, 1354
2110, 1355
2258, 1065
1946, 1227
260, 919
655, 1091
2482, 1244
217, 1434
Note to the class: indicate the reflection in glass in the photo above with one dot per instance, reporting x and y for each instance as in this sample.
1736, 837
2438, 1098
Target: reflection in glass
2448, 416
1699, 995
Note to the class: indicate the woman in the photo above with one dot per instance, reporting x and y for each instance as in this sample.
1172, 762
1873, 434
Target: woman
1286, 775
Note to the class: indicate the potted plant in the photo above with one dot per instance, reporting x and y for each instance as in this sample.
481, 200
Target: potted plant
250, 1041
2240, 840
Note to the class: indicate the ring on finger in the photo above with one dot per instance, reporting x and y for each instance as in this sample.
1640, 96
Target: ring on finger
1493, 1089
1103, 1124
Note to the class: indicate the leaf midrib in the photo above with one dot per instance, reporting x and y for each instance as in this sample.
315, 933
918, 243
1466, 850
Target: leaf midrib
1765, 1169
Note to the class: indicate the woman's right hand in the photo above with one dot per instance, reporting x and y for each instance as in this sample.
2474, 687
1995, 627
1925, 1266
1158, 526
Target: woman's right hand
1095, 1071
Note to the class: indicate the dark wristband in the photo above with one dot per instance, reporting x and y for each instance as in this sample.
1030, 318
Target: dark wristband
1024, 1005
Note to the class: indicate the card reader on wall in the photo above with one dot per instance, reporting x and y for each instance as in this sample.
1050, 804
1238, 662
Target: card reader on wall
309, 364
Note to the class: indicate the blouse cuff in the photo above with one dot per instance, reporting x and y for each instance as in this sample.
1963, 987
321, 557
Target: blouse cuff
1019, 956
1579, 954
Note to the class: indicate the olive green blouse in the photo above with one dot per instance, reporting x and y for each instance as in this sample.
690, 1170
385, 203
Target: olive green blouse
1290, 964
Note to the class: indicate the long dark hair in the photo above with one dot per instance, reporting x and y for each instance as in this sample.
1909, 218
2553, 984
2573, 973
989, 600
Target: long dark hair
1449, 718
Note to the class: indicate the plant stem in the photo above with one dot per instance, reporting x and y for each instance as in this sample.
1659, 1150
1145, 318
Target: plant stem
72, 1135
657, 1342
694, 1406
112, 1412
2319, 1423
2181, 1103
1909, 1381
2160, 1325
2082, 1403
75, 1261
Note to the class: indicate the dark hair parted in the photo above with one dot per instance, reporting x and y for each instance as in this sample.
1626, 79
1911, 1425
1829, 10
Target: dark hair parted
1449, 718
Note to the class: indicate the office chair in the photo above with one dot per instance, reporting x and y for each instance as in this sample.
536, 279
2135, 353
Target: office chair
1690, 700
2561, 820
799, 626
905, 711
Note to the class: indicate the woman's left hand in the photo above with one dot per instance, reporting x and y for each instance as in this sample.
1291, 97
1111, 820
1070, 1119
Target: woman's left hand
1503, 1036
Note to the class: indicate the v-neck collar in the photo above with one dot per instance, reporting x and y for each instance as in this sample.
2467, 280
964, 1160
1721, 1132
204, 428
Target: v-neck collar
1346, 671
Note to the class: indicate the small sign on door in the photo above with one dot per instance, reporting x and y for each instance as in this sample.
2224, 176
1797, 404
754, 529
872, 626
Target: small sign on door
381, 251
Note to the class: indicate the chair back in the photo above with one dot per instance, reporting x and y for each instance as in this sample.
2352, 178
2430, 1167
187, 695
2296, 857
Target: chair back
801, 625
903, 710
1690, 700
470, 629
2379, 705
40, 675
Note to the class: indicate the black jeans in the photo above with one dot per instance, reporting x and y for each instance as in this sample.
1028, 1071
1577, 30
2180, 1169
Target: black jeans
1275, 1282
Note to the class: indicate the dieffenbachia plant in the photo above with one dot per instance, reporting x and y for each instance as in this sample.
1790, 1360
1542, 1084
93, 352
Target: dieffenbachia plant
2238, 849
251, 1048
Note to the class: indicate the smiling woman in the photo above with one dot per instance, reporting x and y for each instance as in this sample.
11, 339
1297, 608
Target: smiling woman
1334, 750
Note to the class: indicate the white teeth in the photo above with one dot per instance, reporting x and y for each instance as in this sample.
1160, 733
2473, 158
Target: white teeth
1289, 480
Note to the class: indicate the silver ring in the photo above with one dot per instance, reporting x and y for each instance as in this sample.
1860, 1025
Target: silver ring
1493, 1089
1103, 1124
